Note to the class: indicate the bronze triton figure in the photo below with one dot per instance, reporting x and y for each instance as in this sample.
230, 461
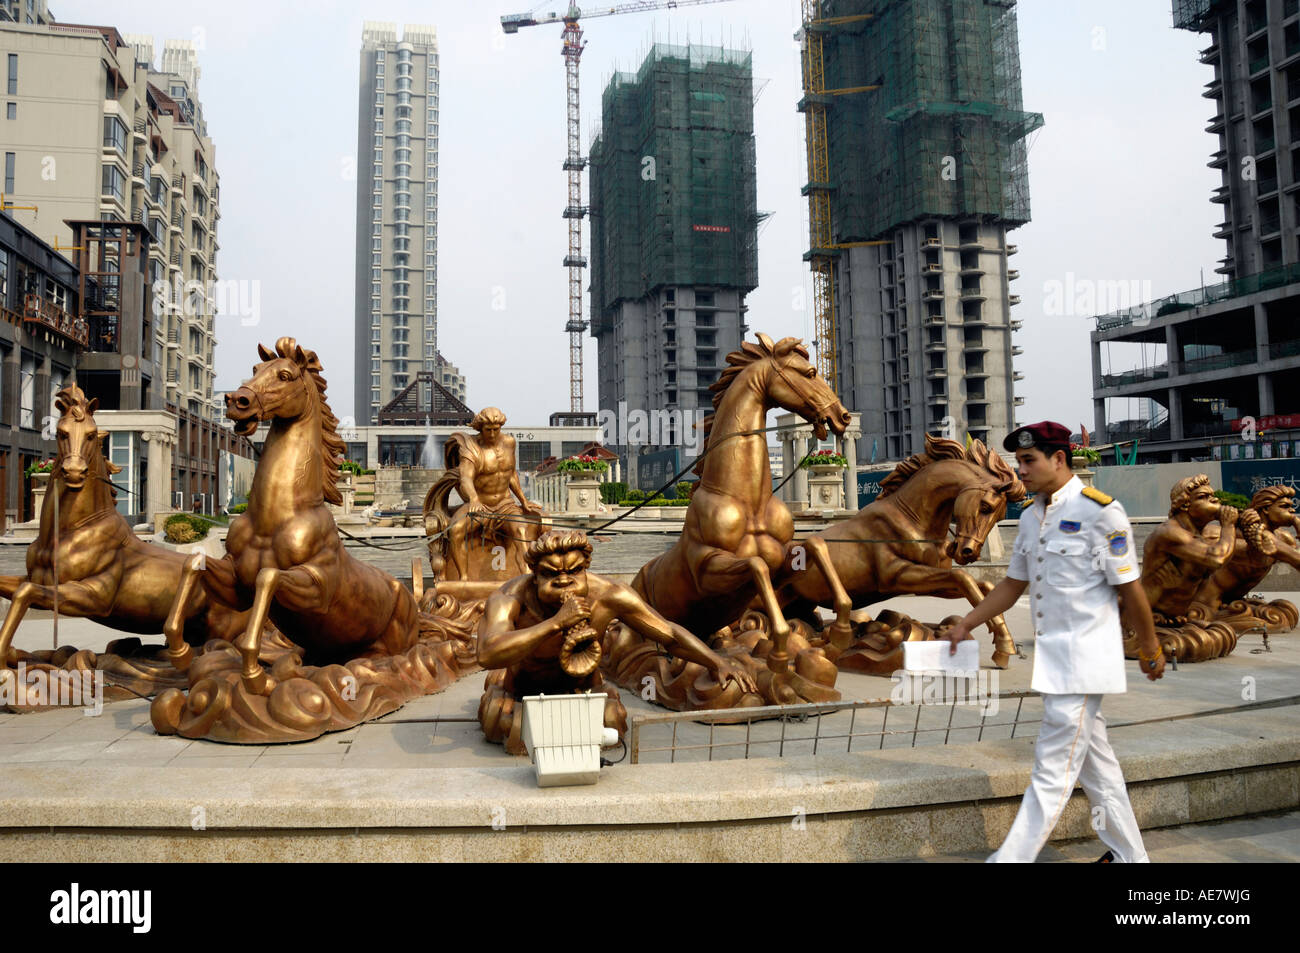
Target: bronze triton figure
482, 469
541, 634
737, 535
285, 561
1266, 537
1177, 558
105, 571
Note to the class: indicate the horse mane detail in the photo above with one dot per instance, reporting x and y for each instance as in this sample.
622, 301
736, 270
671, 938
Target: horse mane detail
748, 354
941, 448
332, 447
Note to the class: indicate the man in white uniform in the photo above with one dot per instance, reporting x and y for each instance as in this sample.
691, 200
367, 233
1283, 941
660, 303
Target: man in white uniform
1074, 552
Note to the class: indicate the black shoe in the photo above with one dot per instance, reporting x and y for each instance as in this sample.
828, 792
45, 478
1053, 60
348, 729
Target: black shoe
1106, 858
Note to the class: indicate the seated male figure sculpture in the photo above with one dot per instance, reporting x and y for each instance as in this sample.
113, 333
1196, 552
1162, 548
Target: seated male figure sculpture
1179, 556
483, 470
1259, 545
541, 632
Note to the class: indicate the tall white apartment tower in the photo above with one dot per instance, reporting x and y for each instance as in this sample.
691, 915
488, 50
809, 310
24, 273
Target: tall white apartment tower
397, 213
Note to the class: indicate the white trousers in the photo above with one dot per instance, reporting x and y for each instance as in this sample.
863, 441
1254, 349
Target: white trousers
1072, 746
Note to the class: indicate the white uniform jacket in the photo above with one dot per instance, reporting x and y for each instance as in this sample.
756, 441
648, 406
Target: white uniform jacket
1072, 552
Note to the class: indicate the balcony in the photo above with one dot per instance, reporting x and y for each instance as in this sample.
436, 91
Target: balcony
178, 184
1013, 299
1017, 351
36, 310
1220, 195
932, 269
1013, 274
1217, 362
1018, 401
971, 244
931, 243
1017, 376
174, 338
1012, 249
1138, 376
173, 378
973, 294
1223, 230
1218, 159
932, 294
971, 270
1017, 325
137, 173
140, 130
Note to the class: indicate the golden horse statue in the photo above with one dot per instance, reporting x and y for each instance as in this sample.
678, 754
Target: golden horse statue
286, 563
737, 534
105, 571
284, 558
898, 545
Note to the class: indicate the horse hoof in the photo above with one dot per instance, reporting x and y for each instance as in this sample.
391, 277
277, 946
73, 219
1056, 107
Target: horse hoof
182, 657
1001, 659
841, 636
254, 684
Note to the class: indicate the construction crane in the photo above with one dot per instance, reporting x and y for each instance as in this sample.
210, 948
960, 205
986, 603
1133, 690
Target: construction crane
822, 248
575, 161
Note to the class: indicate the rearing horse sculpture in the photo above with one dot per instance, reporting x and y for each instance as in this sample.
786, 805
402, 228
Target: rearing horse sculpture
737, 534
105, 571
284, 558
909, 552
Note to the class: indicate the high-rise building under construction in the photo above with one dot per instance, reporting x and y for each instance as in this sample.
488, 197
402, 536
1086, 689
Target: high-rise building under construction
926, 163
673, 229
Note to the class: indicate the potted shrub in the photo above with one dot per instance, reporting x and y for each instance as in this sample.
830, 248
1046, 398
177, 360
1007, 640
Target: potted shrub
1082, 457
583, 464
825, 461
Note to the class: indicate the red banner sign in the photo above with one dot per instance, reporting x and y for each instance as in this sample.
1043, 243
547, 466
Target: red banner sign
1271, 422
711, 228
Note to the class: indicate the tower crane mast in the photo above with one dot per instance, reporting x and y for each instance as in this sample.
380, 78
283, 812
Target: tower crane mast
574, 162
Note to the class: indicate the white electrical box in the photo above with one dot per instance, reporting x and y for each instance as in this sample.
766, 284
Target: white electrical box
564, 735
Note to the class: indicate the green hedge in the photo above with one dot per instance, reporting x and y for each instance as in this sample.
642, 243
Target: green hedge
1232, 499
184, 528
656, 501
612, 492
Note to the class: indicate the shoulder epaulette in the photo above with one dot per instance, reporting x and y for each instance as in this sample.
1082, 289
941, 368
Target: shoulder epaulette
1094, 494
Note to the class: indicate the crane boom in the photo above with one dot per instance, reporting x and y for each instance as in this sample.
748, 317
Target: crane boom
574, 161
513, 22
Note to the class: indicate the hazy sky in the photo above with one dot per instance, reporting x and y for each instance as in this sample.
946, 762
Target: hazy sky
1118, 179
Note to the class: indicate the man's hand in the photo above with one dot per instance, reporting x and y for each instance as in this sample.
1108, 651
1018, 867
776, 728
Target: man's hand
958, 633
1156, 668
572, 612
1228, 515
726, 669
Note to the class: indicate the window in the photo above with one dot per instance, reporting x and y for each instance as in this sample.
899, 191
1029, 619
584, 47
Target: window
9, 171
374, 334
115, 134
27, 392
13, 74
11, 110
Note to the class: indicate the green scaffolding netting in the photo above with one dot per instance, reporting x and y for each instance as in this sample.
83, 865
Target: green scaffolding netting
944, 134
673, 197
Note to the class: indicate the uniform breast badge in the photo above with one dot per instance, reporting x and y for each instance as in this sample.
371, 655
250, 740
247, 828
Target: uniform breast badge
1069, 526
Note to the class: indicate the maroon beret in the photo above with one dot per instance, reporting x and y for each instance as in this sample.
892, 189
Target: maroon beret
1045, 433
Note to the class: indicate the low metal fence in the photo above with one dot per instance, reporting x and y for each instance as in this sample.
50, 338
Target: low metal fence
795, 730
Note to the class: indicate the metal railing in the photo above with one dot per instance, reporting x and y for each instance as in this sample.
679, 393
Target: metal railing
778, 731
1198, 297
